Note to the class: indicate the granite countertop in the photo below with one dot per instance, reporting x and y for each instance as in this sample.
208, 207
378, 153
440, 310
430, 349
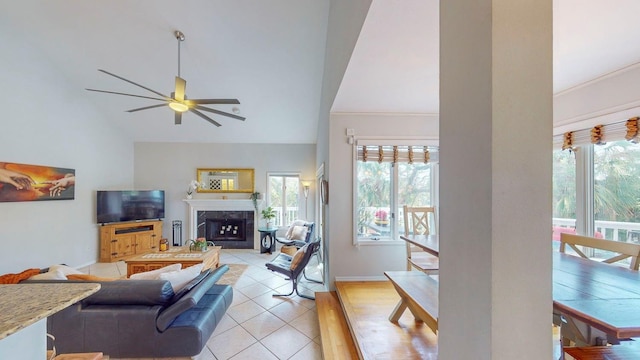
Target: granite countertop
25, 304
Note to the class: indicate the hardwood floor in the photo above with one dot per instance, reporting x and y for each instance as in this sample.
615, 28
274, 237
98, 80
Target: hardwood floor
367, 306
334, 330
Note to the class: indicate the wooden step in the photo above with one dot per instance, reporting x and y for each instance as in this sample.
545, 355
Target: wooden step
615, 352
334, 331
367, 306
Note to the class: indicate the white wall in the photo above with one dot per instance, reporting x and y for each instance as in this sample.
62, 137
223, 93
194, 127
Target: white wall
345, 22
172, 166
47, 121
611, 98
345, 259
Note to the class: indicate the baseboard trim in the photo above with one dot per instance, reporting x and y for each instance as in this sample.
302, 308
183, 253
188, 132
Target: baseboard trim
361, 278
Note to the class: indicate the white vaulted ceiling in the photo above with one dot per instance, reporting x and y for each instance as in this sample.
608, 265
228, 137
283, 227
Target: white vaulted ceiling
394, 66
270, 55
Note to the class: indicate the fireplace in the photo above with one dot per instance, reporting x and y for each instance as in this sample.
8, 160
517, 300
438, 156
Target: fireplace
229, 229
225, 230
228, 223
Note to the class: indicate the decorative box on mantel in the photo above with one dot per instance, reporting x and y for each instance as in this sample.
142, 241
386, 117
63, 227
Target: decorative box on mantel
228, 223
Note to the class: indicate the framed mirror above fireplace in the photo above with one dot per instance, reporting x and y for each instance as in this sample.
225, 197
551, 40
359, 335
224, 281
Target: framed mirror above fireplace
225, 180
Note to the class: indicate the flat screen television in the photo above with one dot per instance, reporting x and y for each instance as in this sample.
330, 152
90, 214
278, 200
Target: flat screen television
129, 205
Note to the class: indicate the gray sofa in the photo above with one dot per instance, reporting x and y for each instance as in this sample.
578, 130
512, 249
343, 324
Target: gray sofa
143, 318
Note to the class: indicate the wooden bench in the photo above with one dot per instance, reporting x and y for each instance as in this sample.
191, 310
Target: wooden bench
424, 262
419, 293
624, 250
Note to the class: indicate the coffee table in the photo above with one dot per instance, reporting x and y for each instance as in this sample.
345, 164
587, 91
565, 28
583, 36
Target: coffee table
158, 259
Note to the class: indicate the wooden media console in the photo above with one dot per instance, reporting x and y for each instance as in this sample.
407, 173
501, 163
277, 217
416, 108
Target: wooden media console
119, 241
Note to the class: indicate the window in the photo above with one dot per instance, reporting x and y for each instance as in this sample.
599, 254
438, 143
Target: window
616, 190
284, 197
414, 189
596, 187
386, 178
564, 193
374, 200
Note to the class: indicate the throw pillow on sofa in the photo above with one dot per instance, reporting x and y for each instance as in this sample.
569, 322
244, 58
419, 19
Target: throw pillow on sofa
50, 275
16, 278
87, 277
180, 278
57, 272
190, 285
66, 270
154, 274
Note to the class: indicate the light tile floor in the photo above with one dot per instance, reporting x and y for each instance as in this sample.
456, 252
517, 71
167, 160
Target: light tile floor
257, 324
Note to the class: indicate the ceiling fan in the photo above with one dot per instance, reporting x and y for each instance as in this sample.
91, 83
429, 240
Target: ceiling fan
178, 101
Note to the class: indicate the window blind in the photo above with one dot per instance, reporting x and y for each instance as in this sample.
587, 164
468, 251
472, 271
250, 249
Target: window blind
397, 153
622, 130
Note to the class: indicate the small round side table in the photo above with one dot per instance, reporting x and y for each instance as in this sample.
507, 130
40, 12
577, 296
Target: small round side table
267, 240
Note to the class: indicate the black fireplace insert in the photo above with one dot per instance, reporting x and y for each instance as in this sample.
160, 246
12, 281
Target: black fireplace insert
229, 229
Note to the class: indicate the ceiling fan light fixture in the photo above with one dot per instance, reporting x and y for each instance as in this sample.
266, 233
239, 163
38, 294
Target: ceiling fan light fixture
178, 100
179, 107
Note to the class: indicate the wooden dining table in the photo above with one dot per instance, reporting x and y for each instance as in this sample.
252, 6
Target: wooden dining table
596, 299
428, 243
598, 296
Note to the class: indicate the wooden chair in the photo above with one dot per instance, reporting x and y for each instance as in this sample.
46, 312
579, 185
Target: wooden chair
416, 221
624, 250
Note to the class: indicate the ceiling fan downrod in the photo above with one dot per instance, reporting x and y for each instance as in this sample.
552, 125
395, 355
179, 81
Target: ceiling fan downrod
180, 37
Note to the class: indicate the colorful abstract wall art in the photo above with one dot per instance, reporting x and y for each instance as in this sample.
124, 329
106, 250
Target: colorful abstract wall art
22, 182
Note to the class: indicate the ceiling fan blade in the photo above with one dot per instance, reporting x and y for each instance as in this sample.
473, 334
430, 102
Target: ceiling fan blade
205, 117
131, 82
119, 93
147, 107
215, 101
219, 112
181, 84
178, 118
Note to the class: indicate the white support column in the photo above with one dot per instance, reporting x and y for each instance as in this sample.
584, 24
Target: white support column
495, 167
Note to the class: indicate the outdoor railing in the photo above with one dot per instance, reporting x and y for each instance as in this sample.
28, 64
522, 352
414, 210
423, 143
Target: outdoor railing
612, 230
290, 215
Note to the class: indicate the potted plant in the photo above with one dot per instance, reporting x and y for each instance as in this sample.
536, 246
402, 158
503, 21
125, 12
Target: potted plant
255, 197
193, 185
199, 244
268, 214
381, 217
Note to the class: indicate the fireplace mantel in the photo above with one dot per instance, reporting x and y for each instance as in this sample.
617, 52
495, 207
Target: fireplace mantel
217, 204
196, 205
